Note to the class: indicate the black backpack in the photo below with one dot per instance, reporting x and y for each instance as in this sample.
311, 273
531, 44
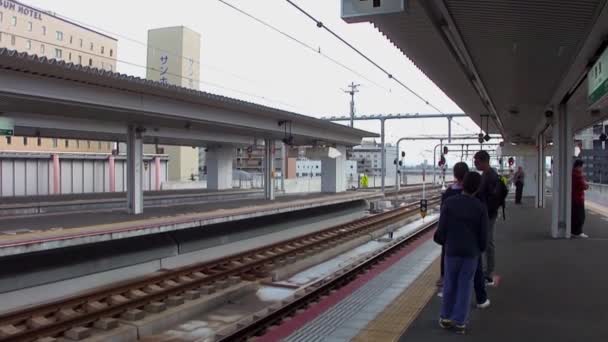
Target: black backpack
501, 193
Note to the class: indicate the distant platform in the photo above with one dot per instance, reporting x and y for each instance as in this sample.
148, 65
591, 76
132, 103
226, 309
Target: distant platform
34, 234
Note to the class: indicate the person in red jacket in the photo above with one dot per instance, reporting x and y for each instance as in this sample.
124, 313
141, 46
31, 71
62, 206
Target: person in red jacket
579, 185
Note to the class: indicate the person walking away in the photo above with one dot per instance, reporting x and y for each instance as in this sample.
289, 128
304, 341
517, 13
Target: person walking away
519, 184
579, 185
463, 227
460, 170
487, 194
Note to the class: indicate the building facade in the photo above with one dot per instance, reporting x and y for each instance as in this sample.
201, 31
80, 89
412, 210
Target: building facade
174, 58
38, 32
369, 158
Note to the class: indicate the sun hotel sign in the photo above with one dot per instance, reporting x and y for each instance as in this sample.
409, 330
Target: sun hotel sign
24, 10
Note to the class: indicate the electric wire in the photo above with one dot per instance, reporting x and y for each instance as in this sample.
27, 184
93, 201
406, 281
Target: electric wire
337, 36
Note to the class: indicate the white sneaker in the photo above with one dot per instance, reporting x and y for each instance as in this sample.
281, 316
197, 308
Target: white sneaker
484, 305
580, 236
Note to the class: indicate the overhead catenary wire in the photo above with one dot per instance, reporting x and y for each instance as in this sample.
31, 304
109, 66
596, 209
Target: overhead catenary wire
390, 75
303, 44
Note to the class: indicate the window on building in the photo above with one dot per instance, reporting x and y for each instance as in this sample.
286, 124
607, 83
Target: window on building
9, 140
91, 47
42, 48
44, 30
70, 56
24, 141
77, 143
99, 145
102, 50
30, 26
89, 144
111, 52
1, 16
71, 39
55, 142
90, 61
59, 36
111, 67
67, 143
81, 43
13, 40
14, 21
58, 53
39, 141
79, 59
29, 44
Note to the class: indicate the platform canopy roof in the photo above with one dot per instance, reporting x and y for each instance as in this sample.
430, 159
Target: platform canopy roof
511, 59
46, 97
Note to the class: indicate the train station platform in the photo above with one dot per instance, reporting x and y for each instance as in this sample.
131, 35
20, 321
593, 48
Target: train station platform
35, 234
549, 290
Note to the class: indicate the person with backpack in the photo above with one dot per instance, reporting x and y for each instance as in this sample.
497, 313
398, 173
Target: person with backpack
462, 231
491, 194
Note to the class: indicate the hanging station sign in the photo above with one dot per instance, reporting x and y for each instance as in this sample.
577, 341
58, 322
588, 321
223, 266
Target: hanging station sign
7, 126
598, 82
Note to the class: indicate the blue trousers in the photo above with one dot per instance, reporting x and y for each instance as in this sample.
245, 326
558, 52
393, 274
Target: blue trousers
458, 288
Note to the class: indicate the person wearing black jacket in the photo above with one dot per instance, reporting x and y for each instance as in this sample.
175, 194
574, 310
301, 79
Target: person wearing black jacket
460, 170
463, 228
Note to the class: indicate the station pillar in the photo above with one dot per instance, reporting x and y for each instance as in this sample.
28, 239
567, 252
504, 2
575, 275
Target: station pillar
219, 167
563, 148
333, 172
135, 193
540, 160
269, 169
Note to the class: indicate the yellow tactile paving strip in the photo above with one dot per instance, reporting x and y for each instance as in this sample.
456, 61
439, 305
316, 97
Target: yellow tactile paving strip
123, 227
399, 315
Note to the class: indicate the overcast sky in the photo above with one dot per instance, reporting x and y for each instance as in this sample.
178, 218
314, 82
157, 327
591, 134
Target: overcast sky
251, 62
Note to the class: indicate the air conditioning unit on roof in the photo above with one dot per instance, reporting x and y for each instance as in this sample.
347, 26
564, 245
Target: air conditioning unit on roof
361, 10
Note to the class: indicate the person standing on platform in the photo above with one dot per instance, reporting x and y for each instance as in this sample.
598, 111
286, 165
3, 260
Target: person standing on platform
487, 194
518, 179
579, 185
463, 228
460, 170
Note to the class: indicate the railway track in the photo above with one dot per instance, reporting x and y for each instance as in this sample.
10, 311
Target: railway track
131, 300
313, 293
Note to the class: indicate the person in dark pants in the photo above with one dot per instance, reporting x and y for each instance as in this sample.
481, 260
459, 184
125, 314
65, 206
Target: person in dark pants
460, 170
463, 228
518, 178
487, 195
579, 185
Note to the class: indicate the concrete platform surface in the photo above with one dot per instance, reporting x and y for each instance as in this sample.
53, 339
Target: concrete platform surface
24, 235
550, 290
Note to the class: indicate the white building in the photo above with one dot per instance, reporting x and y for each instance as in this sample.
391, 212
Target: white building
369, 158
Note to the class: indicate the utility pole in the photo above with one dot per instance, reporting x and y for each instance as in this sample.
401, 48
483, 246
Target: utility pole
353, 89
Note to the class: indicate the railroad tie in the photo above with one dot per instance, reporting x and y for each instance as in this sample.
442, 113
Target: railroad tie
174, 300
133, 315
8, 331
38, 322
77, 334
106, 324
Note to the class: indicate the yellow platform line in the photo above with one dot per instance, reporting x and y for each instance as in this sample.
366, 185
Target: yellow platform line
391, 323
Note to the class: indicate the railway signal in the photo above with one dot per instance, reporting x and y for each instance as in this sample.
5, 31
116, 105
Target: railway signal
423, 207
